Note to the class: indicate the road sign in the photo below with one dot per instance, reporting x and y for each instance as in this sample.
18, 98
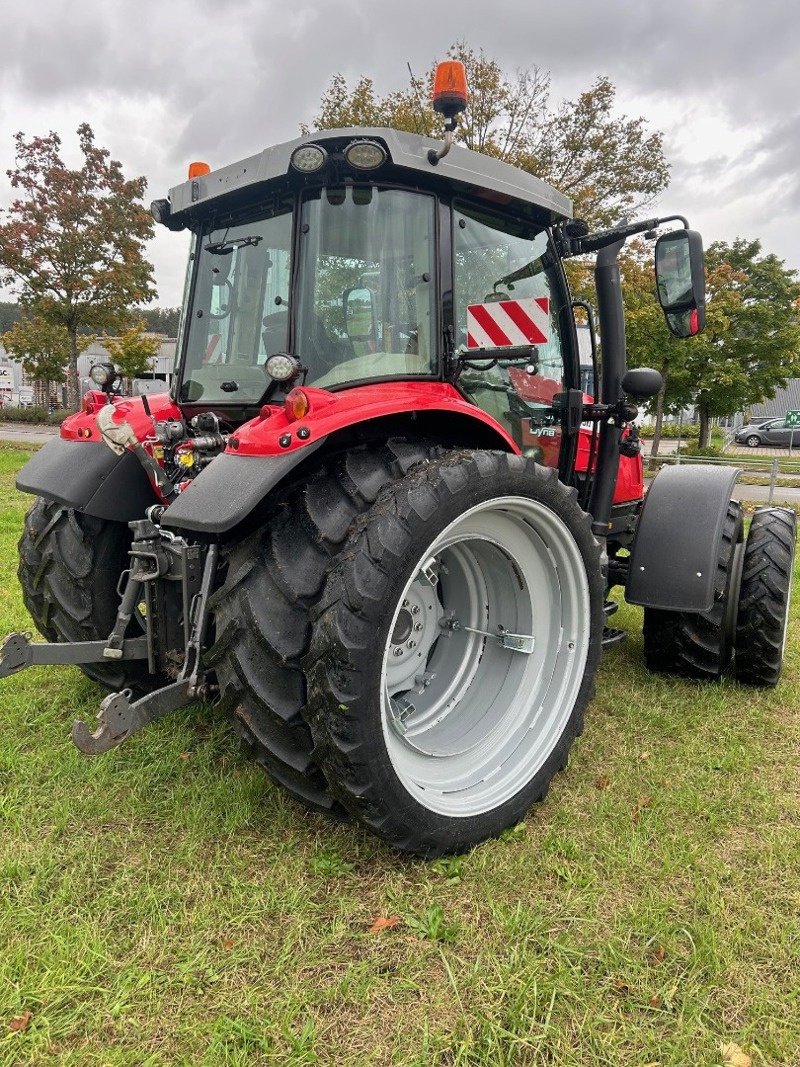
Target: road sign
793, 418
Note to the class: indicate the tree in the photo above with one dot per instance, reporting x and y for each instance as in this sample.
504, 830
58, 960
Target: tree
72, 245
610, 165
133, 352
42, 349
751, 344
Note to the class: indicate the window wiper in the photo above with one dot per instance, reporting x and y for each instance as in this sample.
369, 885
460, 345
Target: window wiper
224, 248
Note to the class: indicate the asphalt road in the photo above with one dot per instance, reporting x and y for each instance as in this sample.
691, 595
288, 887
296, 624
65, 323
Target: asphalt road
26, 434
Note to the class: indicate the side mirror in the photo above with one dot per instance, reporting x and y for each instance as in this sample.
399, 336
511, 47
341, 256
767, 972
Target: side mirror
359, 314
680, 279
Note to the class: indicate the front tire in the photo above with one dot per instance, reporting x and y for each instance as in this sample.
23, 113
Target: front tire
433, 730
765, 596
753, 441
699, 644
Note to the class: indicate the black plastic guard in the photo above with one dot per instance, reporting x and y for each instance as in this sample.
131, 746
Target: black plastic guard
228, 490
673, 562
88, 476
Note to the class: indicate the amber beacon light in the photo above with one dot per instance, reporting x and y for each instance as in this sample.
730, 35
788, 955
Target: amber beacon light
449, 98
197, 169
450, 89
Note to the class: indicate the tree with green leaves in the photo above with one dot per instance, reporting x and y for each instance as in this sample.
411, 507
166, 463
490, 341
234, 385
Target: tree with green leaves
72, 242
133, 351
42, 350
749, 348
611, 165
751, 344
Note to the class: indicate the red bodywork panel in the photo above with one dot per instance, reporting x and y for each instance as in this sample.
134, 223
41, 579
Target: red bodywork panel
329, 412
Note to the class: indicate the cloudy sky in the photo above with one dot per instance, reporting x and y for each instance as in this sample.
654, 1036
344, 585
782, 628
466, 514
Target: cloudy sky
163, 83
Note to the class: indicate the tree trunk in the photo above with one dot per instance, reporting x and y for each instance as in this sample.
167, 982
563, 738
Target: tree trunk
705, 423
659, 420
73, 384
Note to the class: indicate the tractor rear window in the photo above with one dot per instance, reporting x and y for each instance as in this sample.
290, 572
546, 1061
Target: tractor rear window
366, 296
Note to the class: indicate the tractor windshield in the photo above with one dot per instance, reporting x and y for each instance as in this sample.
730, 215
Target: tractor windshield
363, 304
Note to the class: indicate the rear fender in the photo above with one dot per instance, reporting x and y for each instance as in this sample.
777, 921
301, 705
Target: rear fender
256, 462
673, 561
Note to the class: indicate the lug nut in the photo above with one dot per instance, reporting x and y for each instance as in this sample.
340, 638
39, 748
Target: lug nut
415, 610
411, 644
405, 603
417, 626
397, 651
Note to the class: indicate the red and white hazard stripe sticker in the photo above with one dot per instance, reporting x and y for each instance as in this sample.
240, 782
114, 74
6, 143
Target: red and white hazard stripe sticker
508, 323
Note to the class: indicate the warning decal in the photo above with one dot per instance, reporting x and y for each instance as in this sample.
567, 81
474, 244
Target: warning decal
508, 323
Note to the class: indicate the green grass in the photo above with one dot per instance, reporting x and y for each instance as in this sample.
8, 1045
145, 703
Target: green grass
164, 904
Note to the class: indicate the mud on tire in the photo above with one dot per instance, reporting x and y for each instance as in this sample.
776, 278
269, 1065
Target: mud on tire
69, 569
262, 610
493, 539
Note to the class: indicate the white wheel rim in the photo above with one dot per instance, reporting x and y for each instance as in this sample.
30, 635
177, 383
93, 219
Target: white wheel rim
467, 722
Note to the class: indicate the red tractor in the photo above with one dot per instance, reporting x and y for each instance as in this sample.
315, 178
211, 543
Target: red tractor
376, 516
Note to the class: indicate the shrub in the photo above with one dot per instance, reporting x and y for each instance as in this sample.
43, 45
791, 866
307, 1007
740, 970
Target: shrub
36, 415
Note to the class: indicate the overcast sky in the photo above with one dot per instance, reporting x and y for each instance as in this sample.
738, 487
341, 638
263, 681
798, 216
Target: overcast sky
166, 82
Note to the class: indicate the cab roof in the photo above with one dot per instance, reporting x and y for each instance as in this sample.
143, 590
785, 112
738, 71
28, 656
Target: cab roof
463, 171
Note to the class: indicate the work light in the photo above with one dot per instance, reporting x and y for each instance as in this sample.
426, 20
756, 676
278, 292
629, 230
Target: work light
365, 155
308, 158
281, 367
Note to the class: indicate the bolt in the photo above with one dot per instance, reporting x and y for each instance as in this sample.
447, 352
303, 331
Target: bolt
405, 603
415, 609
397, 650
417, 626
411, 644
571, 646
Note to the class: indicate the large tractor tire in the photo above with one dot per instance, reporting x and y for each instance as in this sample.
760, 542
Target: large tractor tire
765, 596
262, 610
700, 644
69, 569
455, 649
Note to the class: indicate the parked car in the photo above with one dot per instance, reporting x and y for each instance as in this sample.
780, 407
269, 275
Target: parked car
773, 432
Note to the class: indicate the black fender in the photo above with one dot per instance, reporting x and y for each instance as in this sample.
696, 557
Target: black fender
88, 476
229, 489
673, 561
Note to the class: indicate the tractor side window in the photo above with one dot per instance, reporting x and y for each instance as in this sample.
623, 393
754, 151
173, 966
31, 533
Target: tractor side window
366, 293
239, 310
507, 303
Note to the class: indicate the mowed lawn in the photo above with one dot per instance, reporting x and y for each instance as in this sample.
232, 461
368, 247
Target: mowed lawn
164, 904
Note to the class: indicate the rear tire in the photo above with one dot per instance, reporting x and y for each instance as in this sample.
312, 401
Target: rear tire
698, 644
765, 596
262, 611
437, 737
69, 569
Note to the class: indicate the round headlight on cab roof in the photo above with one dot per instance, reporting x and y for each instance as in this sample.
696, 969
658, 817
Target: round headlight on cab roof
365, 155
308, 158
282, 367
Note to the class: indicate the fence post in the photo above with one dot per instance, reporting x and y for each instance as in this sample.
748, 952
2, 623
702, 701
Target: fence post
773, 474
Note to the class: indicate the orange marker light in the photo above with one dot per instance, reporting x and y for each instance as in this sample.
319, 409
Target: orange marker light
450, 88
197, 170
296, 404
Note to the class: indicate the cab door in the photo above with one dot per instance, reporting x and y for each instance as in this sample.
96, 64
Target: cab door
509, 296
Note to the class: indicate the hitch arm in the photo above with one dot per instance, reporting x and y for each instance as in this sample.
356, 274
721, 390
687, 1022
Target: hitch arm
118, 718
18, 652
